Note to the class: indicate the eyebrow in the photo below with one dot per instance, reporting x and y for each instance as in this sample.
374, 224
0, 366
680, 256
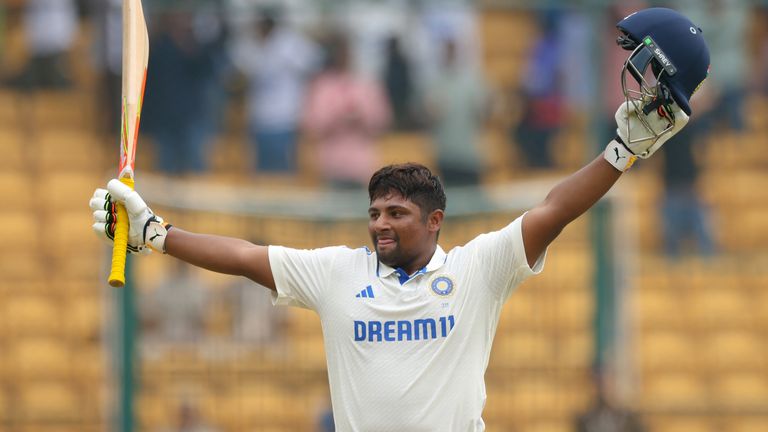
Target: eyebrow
390, 207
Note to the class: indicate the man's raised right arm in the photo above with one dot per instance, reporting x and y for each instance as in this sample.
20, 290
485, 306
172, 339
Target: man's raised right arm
148, 231
221, 254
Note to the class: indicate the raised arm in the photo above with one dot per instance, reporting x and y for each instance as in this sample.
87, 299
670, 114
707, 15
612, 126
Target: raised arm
568, 200
573, 196
149, 232
221, 254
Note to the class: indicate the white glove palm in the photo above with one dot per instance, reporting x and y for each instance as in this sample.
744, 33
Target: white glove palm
146, 230
642, 134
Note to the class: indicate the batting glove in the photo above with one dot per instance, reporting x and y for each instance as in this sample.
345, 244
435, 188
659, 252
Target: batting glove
641, 137
146, 232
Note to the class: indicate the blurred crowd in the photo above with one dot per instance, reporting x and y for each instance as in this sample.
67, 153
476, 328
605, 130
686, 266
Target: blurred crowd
336, 76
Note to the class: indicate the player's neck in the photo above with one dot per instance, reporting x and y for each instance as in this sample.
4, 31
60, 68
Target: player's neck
420, 262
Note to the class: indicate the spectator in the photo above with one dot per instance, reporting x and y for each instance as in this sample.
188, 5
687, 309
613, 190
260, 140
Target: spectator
182, 78
541, 95
686, 218
728, 21
277, 64
457, 101
50, 27
344, 115
108, 60
399, 84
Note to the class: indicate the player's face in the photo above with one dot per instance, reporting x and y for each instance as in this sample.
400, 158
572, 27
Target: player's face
401, 235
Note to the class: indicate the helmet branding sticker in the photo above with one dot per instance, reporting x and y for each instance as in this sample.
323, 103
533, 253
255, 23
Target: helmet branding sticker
660, 56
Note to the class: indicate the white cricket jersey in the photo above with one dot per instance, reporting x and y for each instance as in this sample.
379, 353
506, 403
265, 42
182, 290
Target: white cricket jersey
406, 353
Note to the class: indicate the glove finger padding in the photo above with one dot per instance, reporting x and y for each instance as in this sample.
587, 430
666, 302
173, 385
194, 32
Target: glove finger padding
105, 218
99, 200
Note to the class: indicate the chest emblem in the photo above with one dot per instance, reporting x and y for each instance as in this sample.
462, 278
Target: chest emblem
442, 286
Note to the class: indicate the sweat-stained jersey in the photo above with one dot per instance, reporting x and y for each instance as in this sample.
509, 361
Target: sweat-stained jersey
406, 353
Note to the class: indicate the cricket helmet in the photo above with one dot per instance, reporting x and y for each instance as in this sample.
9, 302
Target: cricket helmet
667, 48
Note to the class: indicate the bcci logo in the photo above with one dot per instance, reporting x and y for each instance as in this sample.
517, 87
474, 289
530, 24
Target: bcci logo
442, 286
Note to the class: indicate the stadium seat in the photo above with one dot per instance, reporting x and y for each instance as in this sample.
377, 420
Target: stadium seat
504, 53
417, 145
664, 350
69, 190
22, 265
741, 390
720, 307
5, 409
25, 315
747, 424
49, 401
549, 425
674, 390
310, 350
85, 316
80, 266
734, 350
20, 228
62, 109
574, 309
40, 357
153, 410
8, 113
16, 189
658, 307
15, 154
682, 423
522, 349
69, 228
303, 322
62, 149
523, 310
575, 349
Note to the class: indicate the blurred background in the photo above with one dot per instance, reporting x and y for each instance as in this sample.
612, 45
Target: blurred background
264, 119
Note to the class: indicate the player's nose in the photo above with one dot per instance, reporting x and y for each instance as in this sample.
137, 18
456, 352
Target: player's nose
381, 224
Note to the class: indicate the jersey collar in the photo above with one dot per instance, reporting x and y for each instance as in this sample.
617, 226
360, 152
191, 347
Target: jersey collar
437, 261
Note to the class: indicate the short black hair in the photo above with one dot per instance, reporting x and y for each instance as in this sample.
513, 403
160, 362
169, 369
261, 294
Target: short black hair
413, 181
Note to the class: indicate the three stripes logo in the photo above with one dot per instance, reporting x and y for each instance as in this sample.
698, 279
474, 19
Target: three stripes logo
366, 293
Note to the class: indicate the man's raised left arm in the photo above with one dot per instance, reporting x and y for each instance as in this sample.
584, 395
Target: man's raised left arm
578, 192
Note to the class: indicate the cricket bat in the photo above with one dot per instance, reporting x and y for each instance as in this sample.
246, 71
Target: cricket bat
135, 59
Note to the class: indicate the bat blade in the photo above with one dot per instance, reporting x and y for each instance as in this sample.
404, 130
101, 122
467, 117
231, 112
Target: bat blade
135, 60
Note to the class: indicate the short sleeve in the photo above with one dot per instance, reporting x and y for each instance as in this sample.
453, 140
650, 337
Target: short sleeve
500, 256
301, 275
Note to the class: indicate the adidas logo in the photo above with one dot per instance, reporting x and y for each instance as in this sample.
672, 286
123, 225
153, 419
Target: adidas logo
366, 293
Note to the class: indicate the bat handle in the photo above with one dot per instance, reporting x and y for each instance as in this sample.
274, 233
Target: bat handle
120, 247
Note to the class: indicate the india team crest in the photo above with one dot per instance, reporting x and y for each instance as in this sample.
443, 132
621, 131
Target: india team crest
442, 285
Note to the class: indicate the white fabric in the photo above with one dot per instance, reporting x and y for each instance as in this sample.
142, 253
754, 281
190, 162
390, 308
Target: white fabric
433, 382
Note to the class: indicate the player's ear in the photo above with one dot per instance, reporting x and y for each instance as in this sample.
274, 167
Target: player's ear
435, 220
